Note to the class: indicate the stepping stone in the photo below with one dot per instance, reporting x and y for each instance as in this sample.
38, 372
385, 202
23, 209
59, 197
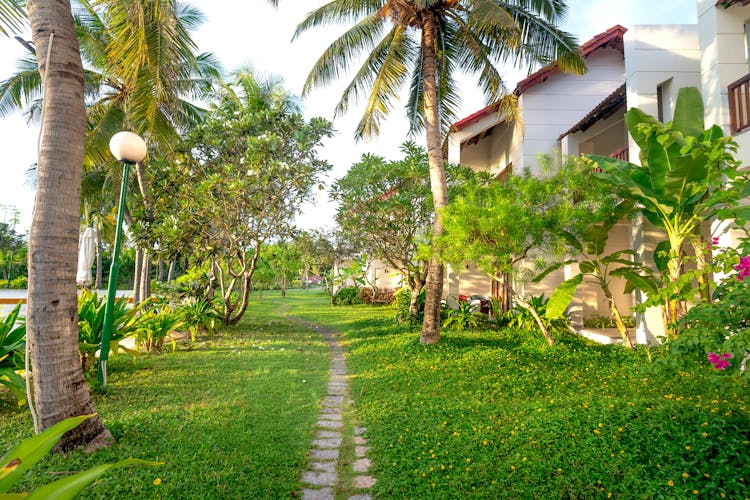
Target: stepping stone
360, 440
361, 451
324, 494
333, 400
327, 434
358, 431
362, 465
320, 478
324, 454
329, 424
366, 496
323, 466
333, 415
327, 443
364, 482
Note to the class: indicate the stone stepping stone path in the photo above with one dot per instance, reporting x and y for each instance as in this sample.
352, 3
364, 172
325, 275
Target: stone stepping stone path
321, 480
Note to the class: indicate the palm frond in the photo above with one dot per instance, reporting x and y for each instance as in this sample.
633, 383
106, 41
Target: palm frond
341, 54
541, 42
12, 17
383, 73
22, 88
338, 12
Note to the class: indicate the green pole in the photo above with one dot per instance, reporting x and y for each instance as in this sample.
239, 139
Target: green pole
112, 284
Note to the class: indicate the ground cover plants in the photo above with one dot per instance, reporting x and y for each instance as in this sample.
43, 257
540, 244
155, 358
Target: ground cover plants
505, 415
230, 415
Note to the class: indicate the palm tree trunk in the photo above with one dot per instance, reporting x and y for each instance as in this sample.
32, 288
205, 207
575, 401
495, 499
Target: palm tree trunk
613, 309
434, 288
60, 390
137, 276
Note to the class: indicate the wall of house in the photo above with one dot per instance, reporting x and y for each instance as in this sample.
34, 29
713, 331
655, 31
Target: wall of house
724, 60
552, 107
666, 55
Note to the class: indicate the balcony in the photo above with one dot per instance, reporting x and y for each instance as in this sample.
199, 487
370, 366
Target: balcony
739, 104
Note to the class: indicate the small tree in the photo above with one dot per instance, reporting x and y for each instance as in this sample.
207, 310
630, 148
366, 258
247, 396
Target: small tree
246, 171
499, 225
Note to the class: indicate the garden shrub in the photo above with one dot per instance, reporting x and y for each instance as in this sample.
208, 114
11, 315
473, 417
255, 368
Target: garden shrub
522, 319
721, 328
12, 347
463, 318
599, 321
199, 316
19, 283
372, 296
347, 296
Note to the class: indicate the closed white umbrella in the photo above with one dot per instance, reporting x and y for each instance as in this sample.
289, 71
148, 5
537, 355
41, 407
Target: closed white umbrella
86, 255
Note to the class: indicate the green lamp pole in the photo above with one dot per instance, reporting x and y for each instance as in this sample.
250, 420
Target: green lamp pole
128, 148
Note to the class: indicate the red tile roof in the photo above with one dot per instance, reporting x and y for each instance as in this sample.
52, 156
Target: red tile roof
613, 37
728, 3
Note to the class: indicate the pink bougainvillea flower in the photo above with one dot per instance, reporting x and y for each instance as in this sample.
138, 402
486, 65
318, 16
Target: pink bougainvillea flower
743, 268
715, 241
720, 361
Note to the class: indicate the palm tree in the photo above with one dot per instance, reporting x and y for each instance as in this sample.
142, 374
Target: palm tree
52, 321
423, 43
12, 17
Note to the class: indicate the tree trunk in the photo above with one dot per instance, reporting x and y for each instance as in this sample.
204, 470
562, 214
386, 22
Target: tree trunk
137, 276
434, 288
160, 270
616, 315
99, 250
60, 390
534, 314
170, 273
144, 289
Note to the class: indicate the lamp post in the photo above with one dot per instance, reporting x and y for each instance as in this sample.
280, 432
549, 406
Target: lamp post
128, 148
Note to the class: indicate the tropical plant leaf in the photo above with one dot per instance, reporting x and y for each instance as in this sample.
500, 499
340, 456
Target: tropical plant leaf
554, 267
688, 112
26, 454
69, 487
561, 297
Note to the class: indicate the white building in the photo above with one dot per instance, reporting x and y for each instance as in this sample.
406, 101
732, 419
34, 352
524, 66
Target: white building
643, 67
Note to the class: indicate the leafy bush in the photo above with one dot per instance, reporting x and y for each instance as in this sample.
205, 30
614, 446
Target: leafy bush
371, 296
199, 315
463, 318
29, 452
12, 346
125, 322
155, 325
19, 283
402, 301
598, 321
522, 319
719, 327
347, 296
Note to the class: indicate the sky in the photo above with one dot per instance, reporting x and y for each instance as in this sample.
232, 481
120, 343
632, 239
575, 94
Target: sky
242, 32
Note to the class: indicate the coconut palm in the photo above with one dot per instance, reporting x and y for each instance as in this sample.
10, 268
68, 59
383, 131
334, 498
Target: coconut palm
52, 321
423, 43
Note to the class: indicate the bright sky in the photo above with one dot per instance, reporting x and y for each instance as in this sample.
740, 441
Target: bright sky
240, 32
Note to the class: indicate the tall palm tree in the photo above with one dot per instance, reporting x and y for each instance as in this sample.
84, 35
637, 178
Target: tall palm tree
52, 320
12, 16
423, 43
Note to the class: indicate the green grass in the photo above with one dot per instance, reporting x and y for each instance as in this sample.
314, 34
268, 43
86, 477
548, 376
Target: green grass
229, 418
488, 414
504, 415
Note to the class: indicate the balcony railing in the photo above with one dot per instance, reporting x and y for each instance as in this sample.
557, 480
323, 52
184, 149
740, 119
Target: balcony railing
620, 154
739, 104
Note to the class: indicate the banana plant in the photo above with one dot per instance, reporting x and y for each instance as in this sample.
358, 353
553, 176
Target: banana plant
594, 266
28, 453
687, 176
12, 345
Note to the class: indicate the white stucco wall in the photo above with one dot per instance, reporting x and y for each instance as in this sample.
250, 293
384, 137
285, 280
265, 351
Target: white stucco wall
552, 107
724, 60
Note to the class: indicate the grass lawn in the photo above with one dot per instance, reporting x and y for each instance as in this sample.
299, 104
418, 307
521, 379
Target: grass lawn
486, 414
504, 415
229, 418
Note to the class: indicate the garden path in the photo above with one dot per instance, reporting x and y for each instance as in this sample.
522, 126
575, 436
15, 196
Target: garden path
334, 431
